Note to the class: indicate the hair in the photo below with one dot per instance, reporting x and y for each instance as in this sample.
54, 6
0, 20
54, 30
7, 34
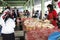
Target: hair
7, 7
51, 7
37, 11
26, 10
55, 0
15, 8
45, 14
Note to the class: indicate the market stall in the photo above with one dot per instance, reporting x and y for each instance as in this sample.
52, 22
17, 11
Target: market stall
38, 29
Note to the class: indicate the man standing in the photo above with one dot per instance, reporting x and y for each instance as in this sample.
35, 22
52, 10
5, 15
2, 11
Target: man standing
8, 25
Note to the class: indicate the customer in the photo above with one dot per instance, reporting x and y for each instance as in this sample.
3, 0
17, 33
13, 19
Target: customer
36, 14
27, 13
45, 16
8, 26
52, 16
15, 10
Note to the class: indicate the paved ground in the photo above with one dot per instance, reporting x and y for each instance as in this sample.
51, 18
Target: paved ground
15, 38
17, 34
0, 38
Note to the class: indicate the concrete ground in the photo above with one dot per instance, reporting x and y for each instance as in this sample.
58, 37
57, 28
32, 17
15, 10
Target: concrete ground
19, 35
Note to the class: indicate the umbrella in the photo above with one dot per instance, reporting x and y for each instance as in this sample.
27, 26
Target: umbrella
54, 36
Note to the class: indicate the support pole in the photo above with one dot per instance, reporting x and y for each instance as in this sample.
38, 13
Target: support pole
42, 8
3, 6
31, 7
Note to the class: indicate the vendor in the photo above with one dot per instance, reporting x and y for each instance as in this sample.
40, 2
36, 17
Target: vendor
52, 16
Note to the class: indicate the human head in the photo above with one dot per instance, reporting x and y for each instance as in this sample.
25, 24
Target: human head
45, 14
26, 10
37, 11
15, 8
8, 16
55, 0
7, 7
50, 7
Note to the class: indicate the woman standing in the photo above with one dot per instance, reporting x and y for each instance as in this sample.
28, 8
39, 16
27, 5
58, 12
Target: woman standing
8, 26
52, 16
